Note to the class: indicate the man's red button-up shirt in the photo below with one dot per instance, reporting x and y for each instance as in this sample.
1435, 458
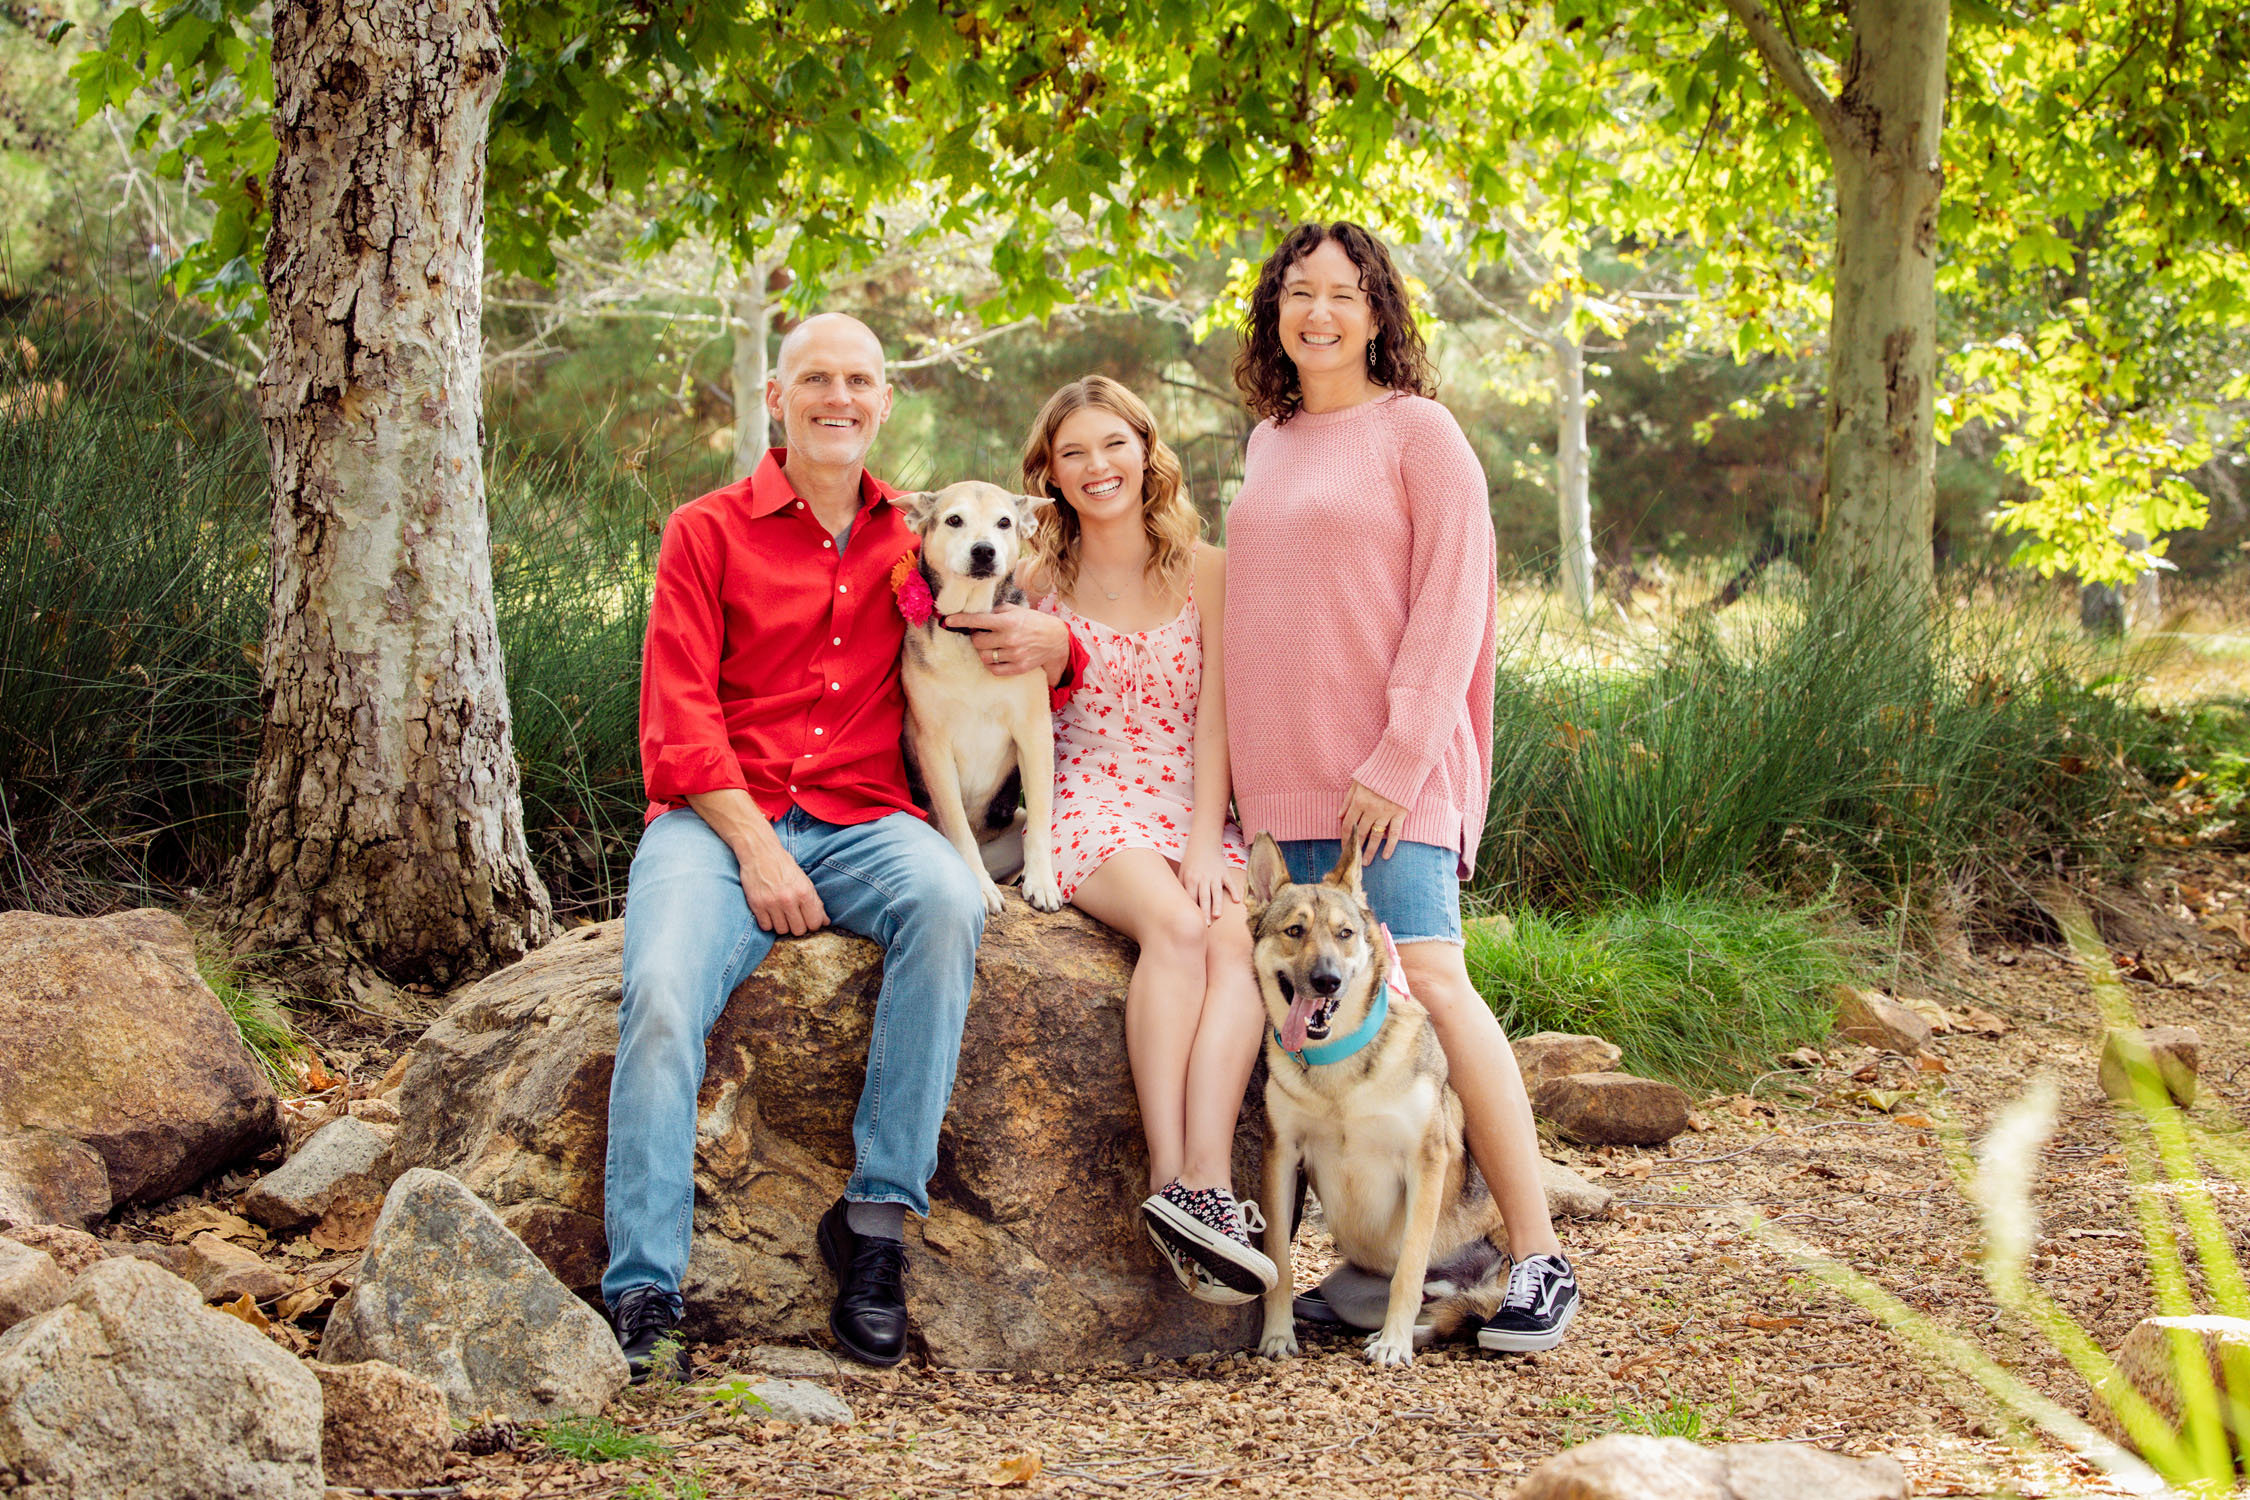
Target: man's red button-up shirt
772, 655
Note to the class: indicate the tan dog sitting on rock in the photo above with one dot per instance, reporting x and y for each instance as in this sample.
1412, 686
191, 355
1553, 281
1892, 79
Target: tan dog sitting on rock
969, 733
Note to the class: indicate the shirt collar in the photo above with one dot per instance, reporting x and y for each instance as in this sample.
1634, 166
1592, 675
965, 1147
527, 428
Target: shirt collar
771, 491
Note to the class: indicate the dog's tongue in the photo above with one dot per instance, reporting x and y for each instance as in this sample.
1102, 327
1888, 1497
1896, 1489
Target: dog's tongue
1300, 1016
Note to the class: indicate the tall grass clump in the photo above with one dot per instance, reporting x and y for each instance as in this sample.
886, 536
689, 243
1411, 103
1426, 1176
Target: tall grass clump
1900, 757
1701, 990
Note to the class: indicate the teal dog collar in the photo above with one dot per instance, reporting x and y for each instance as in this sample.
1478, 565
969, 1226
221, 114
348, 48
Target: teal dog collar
1343, 1047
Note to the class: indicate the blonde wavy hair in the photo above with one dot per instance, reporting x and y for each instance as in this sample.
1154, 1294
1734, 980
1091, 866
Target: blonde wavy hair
1171, 520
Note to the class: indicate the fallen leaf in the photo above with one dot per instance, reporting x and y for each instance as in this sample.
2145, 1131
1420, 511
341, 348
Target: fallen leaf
247, 1310
1917, 1121
1634, 1364
1638, 1169
1020, 1470
346, 1226
185, 1224
1885, 1100
1805, 1057
1741, 1106
1982, 1022
1771, 1325
299, 1302
1698, 1122
314, 1073
1930, 1062
1928, 1010
2113, 1159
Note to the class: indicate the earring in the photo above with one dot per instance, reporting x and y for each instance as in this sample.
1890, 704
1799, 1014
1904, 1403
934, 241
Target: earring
1371, 348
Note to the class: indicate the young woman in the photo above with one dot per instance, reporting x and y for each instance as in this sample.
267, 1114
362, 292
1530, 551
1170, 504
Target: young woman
1142, 842
1361, 626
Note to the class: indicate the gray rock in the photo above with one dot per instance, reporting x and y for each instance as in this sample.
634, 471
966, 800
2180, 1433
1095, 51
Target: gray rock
1620, 1467
381, 1428
1570, 1196
446, 1292
343, 1160
47, 1177
2176, 1052
223, 1271
797, 1401
1558, 1054
30, 1283
130, 1389
1879, 1021
793, 1363
73, 1249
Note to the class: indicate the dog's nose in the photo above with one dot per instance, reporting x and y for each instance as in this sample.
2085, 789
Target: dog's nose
981, 558
1326, 981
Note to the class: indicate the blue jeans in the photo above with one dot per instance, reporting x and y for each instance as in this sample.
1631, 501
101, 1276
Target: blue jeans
690, 939
1416, 893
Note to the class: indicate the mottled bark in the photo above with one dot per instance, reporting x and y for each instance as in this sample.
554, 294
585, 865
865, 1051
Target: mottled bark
386, 825
1882, 129
1574, 508
748, 310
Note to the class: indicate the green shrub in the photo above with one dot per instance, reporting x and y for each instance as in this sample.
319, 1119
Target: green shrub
597, 1440
1700, 990
1864, 749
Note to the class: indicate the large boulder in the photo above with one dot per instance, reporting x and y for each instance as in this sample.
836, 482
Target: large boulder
30, 1283
445, 1292
122, 1077
131, 1389
381, 1428
1612, 1109
1623, 1467
1033, 1256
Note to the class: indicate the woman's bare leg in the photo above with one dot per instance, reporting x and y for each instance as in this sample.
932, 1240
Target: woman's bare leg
1226, 1049
1484, 1073
1137, 893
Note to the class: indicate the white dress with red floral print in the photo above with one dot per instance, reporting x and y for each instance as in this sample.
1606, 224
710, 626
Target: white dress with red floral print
1125, 745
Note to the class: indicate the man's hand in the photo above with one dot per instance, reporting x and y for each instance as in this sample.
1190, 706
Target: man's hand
780, 894
1013, 639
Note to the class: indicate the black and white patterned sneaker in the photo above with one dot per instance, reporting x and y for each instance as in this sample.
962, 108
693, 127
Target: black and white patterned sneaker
1213, 1231
1541, 1299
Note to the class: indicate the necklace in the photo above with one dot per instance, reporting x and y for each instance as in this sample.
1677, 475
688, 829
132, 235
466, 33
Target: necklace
1112, 595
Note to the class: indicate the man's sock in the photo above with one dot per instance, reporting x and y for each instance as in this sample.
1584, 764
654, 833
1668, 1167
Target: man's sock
881, 1221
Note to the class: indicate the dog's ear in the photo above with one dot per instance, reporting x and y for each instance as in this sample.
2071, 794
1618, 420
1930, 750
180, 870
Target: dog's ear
915, 508
1269, 872
1345, 877
1029, 506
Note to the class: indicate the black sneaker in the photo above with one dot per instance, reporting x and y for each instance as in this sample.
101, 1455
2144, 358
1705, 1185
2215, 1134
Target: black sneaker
869, 1318
646, 1317
1541, 1299
1210, 1228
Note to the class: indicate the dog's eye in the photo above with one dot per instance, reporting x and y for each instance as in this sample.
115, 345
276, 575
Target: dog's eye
1343, 932
952, 520
1005, 523
1294, 929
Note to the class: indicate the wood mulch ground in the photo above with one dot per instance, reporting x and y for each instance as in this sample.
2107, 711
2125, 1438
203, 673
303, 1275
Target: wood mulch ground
1695, 1324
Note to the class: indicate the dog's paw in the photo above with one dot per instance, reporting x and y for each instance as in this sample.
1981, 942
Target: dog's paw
1043, 893
993, 900
1279, 1345
1385, 1352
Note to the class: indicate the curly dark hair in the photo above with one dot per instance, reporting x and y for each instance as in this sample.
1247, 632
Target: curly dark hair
1263, 370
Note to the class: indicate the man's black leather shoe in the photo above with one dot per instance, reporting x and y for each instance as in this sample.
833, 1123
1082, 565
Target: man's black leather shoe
869, 1318
646, 1317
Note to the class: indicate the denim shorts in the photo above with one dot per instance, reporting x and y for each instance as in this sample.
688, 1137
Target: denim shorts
1416, 893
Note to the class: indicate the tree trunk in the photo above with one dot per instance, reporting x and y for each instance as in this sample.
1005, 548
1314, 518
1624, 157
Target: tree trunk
386, 827
1879, 495
1574, 513
748, 310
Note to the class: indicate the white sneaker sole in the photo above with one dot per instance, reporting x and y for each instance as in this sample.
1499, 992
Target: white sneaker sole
1506, 1341
1193, 1278
1234, 1266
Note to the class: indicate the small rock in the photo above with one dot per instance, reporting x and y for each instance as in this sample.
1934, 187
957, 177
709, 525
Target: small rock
380, 1427
1620, 1467
1879, 1021
1613, 1109
2177, 1052
73, 1249
131, 1387
173, 1258
223, 1271
1570, 1196
375, 1111
797, 1401
794, 1363
2145, 1362
30, 1283
48, 1178
446, 1292
1558, 1054
344, 1159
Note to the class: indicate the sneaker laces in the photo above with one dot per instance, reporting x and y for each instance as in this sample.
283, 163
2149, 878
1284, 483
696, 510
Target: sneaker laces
1253, 1222
1523, 1282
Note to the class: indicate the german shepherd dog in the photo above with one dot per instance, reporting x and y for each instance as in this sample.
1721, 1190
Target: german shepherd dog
1378, 1131
971, 735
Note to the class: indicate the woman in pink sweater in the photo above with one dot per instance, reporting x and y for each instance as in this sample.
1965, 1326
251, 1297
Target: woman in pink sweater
1360, 633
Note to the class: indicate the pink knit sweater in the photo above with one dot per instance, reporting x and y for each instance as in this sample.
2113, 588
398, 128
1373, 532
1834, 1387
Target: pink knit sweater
1362, 618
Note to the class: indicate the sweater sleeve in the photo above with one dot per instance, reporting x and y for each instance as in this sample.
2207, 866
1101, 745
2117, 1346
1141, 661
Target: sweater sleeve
1449, 594
685, 748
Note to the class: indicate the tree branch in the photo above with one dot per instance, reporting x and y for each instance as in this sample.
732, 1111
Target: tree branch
1787, 65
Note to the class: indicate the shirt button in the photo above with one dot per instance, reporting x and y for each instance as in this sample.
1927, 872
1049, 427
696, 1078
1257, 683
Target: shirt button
835, 687
836, 640
820, 731
800, 506
828, 544
843, 588
792, 789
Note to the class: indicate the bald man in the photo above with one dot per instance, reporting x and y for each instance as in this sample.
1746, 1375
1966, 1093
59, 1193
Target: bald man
770, 719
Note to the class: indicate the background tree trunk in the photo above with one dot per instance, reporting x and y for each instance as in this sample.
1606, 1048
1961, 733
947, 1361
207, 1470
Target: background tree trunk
1574, 513
1880, 496
386, 825
748, 308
